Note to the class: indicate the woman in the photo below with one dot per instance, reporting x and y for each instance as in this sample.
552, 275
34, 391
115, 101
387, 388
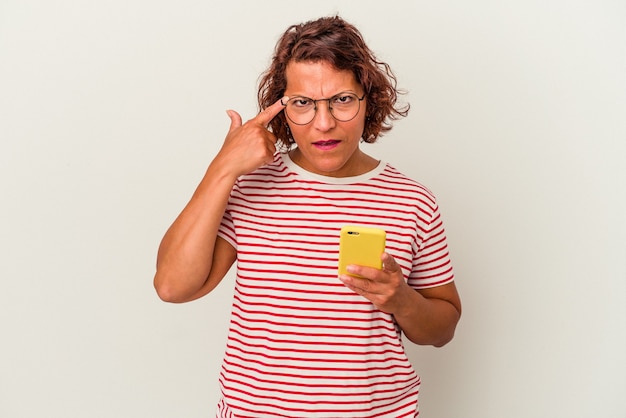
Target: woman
303, 342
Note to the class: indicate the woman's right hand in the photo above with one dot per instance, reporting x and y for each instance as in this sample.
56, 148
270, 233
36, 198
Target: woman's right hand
249, 145
191, 259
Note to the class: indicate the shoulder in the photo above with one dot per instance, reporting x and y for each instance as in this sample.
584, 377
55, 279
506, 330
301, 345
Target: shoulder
266, 175
394, 179
275, 169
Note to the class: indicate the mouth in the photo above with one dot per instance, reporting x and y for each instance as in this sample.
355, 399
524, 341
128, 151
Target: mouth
326, 145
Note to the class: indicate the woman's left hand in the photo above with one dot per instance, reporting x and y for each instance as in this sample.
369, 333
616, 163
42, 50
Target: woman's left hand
385, 288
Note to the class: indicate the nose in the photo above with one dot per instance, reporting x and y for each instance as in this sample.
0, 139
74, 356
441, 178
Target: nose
323, 119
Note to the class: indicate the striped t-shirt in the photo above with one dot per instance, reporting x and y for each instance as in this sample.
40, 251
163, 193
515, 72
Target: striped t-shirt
300, 343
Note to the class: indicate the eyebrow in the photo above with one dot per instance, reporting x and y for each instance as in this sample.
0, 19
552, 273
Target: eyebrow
330, 97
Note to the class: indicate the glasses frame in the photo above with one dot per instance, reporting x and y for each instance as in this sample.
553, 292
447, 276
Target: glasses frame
330, 106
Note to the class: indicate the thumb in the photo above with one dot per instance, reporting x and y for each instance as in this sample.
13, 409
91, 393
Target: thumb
389, 263
235, 119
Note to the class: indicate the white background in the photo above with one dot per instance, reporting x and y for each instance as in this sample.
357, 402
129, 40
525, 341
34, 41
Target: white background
110, 112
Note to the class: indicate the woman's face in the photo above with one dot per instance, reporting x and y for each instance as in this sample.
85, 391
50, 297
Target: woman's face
327, 146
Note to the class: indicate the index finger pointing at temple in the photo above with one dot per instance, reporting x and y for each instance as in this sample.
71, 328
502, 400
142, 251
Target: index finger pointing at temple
266, 116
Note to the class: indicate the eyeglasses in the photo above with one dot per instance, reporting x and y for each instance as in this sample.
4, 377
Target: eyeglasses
343, 106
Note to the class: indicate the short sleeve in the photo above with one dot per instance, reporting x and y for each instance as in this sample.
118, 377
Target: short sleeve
227, 229
431, 259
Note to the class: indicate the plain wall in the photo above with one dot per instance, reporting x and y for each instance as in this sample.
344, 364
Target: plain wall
110, 112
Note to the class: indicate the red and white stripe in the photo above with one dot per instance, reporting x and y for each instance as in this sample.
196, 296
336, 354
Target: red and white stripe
300, 343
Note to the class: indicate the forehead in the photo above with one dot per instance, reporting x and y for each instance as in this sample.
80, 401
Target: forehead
318, 80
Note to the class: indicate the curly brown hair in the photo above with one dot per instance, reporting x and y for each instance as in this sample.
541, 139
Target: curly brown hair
335, 41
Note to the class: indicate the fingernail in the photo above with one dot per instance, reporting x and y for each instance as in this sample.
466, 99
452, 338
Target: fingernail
284, 100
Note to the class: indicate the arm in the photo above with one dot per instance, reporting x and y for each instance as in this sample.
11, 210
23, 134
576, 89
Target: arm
427, 317
191, 259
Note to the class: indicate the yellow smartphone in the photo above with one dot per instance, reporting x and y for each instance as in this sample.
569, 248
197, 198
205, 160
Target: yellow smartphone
362, 246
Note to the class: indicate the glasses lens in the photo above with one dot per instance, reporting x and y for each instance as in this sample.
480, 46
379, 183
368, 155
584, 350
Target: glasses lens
301, 110
344, 107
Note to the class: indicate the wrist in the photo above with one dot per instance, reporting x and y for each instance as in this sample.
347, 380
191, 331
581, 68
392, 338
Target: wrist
408, 303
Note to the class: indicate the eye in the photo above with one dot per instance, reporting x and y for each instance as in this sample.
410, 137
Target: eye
301, 102
343, 99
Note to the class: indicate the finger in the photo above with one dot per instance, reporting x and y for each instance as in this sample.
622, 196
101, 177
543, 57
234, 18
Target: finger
389, 263
235, 119
266, 116
357, 284
272, 147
